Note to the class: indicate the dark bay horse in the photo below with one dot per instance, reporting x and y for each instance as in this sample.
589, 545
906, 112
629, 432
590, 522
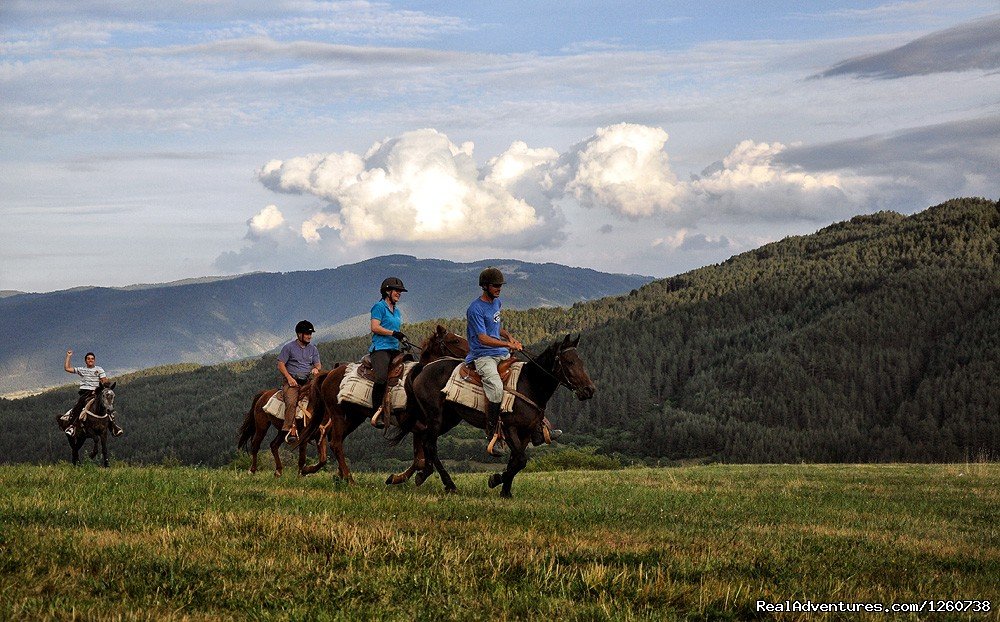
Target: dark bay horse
256, 424
333, 421
560, 363
96, 424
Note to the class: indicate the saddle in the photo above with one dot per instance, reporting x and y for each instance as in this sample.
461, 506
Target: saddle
469, 374
465, 386
88, 411
357, 385
396, 366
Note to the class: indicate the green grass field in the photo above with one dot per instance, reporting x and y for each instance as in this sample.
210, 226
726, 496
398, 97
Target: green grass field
703, 542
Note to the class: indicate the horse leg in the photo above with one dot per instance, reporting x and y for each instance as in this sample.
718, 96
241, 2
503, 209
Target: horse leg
258, 438
517, 461
428, 468
75, 446
338, 430
321, 446
93, 452
104, 447
418, 462
432, 456
275, 444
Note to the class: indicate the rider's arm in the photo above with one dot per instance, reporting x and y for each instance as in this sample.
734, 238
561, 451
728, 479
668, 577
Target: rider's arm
66, 365
316, 366
288, 377
378, 329
492, 342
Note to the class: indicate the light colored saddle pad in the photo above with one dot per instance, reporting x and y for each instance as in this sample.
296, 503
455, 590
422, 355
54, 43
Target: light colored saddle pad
356, 389
463, 391
276, 406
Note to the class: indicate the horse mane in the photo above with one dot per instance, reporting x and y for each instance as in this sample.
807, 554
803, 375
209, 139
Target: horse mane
316, 401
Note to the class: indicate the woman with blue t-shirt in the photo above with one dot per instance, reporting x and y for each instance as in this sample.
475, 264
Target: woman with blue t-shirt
386, 321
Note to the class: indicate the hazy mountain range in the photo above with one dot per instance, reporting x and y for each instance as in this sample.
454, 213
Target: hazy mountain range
217, 319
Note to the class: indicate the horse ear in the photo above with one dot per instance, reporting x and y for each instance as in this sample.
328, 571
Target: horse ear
577, 340
441, 330
113, 385
565, 342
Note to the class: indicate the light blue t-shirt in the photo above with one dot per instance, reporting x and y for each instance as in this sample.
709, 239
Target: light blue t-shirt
483, 318
299, 360
389, 320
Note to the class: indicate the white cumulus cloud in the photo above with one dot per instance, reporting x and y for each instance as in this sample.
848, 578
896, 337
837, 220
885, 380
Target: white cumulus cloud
418, 187
266, 220
624, 168
751, 181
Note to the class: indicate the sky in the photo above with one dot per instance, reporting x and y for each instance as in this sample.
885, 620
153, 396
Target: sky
146, 142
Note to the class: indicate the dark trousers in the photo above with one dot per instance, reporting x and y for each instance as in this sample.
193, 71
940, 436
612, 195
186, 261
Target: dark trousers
85, 395
380, 364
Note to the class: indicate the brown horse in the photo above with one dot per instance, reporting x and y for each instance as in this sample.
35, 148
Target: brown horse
95, 425
256, 424
333, 421
559, 364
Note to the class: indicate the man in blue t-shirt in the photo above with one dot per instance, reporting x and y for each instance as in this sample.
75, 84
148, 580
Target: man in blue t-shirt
298, 363
489, 343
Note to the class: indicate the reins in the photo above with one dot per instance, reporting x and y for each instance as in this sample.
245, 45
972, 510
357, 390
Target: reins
549, 373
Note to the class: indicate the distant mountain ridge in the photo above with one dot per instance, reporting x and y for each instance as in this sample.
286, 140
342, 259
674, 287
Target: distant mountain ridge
215, 319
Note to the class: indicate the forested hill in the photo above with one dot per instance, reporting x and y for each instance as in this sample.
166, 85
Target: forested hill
874, 339
214, 320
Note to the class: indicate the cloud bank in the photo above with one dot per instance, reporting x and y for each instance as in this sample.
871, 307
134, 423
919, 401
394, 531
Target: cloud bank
422, 188
975, 45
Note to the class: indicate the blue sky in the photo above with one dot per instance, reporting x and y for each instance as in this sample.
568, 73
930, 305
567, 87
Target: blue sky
147, 142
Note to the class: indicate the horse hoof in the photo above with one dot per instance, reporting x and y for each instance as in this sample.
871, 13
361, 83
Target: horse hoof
505, 494
451, 491
421, 478
394, 480
277, 473
495, 480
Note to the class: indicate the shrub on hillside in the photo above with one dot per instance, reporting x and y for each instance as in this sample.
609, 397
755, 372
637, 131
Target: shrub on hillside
570, 459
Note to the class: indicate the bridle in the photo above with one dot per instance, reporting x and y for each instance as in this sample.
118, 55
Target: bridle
556, 367
444, 345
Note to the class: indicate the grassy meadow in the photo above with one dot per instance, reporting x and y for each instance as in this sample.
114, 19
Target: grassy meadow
694, 543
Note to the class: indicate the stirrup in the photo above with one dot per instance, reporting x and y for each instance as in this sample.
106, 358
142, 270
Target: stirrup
376, 419
292, 436
70, 431
492, 448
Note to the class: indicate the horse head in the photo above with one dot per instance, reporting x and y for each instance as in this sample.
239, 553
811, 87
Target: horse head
441, 343
106, 398
568, 367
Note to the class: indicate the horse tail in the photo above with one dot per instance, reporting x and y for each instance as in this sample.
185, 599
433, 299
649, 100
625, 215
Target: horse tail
318, 406
249, 424
396, 435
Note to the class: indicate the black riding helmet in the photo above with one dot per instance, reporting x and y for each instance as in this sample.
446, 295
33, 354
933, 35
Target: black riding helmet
304, 326
391, 283
490, 276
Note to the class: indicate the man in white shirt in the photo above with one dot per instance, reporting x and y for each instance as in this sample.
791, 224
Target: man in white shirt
91, 376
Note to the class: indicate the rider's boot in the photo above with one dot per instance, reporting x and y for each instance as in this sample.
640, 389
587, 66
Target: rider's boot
378, 397
492, 431
116, 430
74, 420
